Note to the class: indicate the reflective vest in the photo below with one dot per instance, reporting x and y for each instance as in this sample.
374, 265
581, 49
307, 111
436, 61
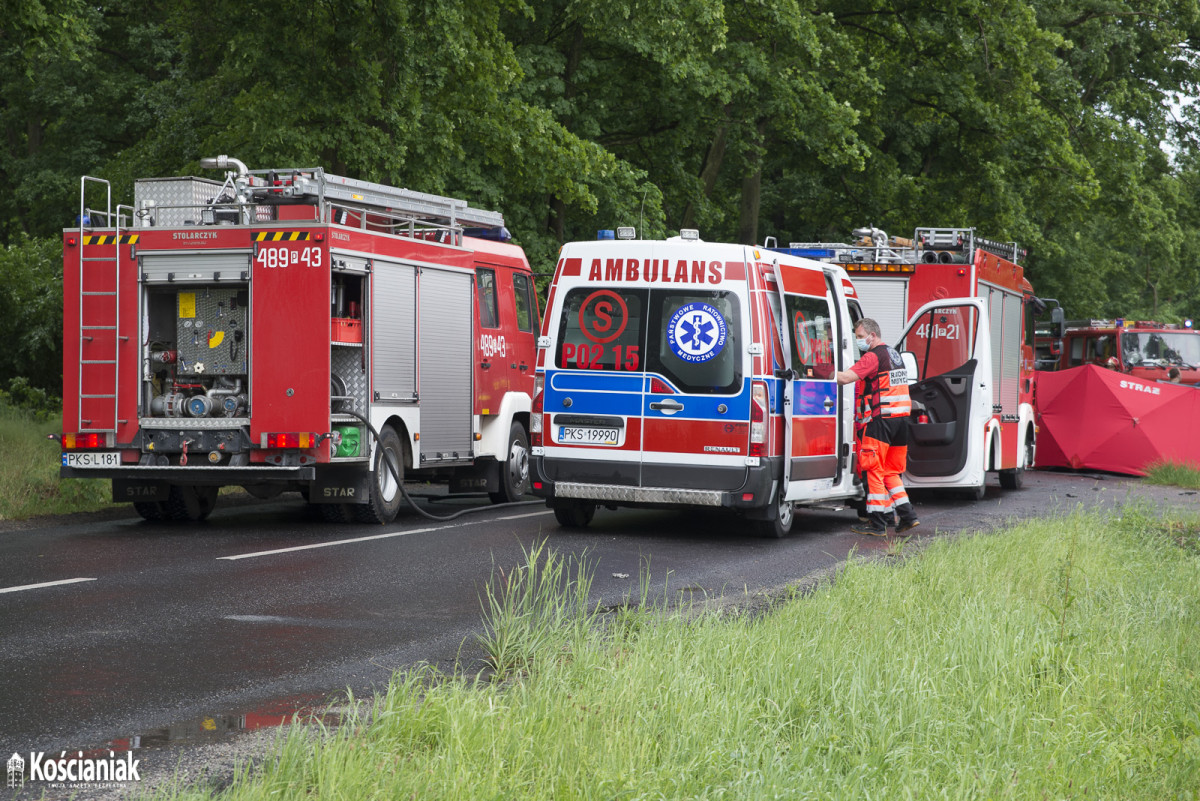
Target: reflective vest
886, 392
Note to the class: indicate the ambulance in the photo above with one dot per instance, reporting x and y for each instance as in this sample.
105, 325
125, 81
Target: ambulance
689, 374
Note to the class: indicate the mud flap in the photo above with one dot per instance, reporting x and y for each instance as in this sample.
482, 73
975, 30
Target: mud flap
349, 484
484, 476
125, 490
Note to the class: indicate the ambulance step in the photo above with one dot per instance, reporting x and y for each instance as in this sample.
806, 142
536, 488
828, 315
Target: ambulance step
618, 493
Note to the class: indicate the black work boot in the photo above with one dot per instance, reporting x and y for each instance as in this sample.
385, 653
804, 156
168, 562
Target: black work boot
908, 518
876, 525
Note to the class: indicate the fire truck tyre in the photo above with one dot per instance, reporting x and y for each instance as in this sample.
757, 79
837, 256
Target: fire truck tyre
574, 514
514, 471
191, 503
336, 512
1012, 479
385, 498
780, 523
150, 510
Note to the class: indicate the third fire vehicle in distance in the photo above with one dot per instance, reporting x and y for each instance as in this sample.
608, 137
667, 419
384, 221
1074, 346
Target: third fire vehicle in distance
1143, 349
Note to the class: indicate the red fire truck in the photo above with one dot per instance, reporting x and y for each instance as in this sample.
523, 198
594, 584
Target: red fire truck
957, 302
289, 329
1143, 349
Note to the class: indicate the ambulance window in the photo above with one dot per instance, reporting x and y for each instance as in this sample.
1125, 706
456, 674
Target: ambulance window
601, 329
485, 283
696, 340
811, 327
521, 291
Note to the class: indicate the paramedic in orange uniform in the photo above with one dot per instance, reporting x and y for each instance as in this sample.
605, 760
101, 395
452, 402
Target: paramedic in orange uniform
881, 428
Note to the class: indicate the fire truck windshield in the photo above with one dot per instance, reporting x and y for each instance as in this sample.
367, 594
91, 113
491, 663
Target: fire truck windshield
1160, 348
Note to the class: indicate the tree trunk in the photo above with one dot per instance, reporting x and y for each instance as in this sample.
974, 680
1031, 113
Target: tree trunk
752, 192
709, 173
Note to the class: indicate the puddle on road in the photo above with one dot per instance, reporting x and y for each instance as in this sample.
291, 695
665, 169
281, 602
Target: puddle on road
210, 729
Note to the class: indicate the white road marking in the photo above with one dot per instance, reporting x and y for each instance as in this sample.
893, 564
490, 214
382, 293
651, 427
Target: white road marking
45, 584
389, 535
531, 514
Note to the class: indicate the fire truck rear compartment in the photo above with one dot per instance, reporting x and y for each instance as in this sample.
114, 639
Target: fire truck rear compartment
195, 385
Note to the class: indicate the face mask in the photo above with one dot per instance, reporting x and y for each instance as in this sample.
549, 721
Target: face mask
862, 345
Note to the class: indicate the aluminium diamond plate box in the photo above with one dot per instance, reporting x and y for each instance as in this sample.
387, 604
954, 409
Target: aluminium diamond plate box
176, 201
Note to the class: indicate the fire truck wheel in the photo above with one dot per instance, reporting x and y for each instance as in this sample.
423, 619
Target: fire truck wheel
385, 498
336, 512
780, 523
514, 472
190, 503
574, 514
150, 510
1012, 479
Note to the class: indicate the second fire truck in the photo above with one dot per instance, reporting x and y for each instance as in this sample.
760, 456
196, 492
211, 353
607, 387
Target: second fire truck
960, 304
290, 329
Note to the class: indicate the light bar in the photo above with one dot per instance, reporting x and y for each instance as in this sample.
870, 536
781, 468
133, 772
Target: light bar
290, 439
880, 268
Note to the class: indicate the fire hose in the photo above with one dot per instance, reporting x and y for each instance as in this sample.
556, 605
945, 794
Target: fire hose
395, 471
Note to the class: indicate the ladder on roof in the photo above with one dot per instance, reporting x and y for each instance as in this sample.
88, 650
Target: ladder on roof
353, 193
99, 318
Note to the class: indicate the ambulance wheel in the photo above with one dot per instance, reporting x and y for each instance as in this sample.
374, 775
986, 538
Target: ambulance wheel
779, 525
574, 514
384, 499
975, 493
150, 510
514, 471
190, 503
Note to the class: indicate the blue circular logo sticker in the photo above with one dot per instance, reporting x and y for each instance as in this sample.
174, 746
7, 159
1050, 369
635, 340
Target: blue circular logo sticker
696, 332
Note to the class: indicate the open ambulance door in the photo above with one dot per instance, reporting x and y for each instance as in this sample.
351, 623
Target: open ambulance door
810, 331
951, 393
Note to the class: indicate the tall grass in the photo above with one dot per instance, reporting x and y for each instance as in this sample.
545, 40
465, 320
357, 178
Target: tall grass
1176, 474
1057, 660
29, 462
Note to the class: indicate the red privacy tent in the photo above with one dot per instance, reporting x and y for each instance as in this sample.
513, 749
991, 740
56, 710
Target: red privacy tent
1090, 417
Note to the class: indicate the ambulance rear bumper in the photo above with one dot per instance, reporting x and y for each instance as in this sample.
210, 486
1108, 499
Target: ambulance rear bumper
754, 492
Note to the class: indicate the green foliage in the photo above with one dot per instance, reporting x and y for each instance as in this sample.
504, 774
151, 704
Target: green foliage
1175, 474
1054, 123
31, 325
29, 482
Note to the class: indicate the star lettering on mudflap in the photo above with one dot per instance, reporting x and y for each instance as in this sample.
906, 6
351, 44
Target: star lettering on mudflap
698, 332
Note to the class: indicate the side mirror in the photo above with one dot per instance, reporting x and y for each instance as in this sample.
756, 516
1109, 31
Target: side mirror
910, 366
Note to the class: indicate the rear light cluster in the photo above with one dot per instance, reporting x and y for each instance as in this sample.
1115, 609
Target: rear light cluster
758, 419
291, 439
72, 442
535, 411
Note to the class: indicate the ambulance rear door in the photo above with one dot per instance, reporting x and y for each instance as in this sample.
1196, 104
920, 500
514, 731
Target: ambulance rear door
952, 394
813, 428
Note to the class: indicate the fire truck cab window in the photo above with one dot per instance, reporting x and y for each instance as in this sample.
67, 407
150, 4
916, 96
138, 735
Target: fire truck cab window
524, 298
1076, 352
485, 283
942, 340
1101, 349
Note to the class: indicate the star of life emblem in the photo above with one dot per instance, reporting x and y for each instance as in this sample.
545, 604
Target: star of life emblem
696, 332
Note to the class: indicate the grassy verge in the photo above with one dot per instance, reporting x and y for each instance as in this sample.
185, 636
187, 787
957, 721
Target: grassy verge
1056, 660
29, 482
1175, 474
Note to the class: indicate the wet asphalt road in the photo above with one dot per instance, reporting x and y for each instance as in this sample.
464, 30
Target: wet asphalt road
170, 637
